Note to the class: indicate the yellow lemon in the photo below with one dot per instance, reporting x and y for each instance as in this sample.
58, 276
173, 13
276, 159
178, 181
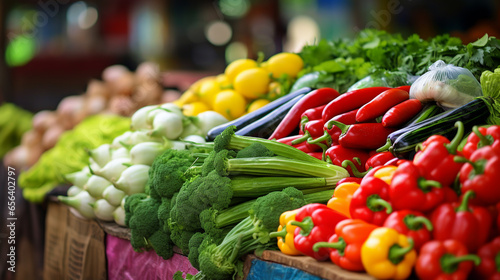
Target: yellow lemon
285, 63
230, 104
252, 83
208, 91
193, 109
223, 81
257, 104
237, 66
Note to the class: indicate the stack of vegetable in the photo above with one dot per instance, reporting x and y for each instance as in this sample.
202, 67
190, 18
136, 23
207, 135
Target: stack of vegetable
200, 199
245, 86
14, 122
120, 92
120, 167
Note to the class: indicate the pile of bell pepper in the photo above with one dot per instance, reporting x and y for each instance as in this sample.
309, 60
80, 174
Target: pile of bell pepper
351, 126
435, 216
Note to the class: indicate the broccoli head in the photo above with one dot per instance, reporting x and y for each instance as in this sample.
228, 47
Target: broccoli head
167, 173
161, 243
254, 150
164, 212
180, 236
194, 247
143, 223
130, 204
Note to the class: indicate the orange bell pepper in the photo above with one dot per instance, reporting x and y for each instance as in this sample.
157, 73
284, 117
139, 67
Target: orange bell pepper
341, 198
286, 233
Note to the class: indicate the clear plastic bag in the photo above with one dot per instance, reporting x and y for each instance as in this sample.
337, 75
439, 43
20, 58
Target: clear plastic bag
450, 86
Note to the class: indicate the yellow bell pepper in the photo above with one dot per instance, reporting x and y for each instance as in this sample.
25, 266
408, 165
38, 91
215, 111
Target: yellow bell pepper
387, 254
286, 233
385, 173
341, 199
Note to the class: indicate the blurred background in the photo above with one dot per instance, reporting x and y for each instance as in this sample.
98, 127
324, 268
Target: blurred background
53, 48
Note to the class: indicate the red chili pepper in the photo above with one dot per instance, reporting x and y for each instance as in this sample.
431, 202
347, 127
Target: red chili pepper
401, 113
480, 137
312, 114
338, 154
318, 155
315, 223
368, 136
447, 259
311, 129
481, 174
370, 202
379, 159
466, 223
437, 159
381, 103
304, 146
405, 88
410, 189
331, 134
345, 245
350, 101
413, 224
489, 268
291, 120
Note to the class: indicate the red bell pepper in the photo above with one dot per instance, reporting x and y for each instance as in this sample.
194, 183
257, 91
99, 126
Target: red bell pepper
413, 224
468, 224
292, 119
481, 174
370, 202
368, 136
401, 113
345, 244
437, 159
411, 190
378, 159
480, 137
489, 268
315, 223
379, 105
447, 259
338, 154
350, 101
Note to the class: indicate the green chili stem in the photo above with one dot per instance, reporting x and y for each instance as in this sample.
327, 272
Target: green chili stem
415, 222
347, 163
276, 234
302, 138
325, 137
397, 253
483, 139
386, 146
449, 262
453, 145
305, 226
343, 127
464, 205
426, 185
374, 201
339, 245
478, 166
497, 262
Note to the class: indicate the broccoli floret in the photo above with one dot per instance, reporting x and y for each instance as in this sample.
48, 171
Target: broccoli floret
168, 171
161, 243
164, 212
209, 164
252, 233
143, 223
180, 236
254, 150
194, 247
130, 204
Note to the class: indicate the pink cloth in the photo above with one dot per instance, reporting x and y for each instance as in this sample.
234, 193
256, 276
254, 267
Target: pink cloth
125, 263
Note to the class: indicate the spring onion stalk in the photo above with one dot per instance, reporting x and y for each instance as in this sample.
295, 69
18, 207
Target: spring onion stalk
133, 179
80, 202
113, 195
79, 178
103, 210
74, 190
119, 216
146, 152
101, 155
96, 185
